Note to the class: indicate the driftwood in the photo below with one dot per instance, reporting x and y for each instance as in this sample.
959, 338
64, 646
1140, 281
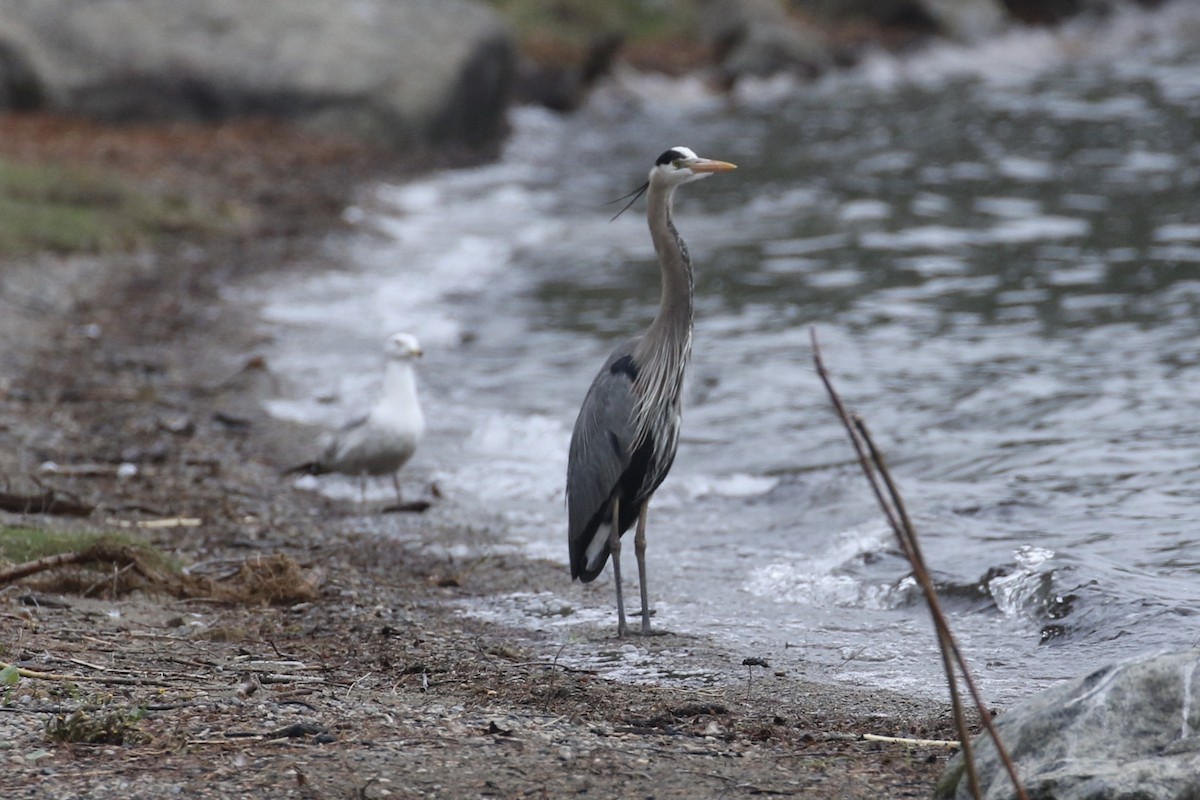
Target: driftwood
98, 553
48, 501
888, 495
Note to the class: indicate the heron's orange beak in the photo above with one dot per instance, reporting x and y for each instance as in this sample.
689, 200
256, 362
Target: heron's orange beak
708, 165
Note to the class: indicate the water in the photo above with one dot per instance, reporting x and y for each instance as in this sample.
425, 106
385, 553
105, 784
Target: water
1000, 250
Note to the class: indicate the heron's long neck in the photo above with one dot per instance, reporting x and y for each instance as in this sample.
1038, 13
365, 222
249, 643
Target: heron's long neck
672, 325
662, 354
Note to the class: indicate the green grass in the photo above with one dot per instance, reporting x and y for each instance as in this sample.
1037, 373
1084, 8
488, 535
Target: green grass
18, 545
65, 209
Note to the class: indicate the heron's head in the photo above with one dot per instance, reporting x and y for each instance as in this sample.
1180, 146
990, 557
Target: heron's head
677, 166
402, 346
681, 165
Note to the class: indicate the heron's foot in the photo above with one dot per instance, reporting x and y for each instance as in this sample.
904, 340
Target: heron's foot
646, 630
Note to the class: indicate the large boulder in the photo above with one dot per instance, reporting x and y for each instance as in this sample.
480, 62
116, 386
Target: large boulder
1128, 731
405, 72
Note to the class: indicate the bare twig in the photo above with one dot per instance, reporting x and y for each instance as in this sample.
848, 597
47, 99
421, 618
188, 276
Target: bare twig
52, 676
98, 553
153, 524
875, 737
41, 565
875, 469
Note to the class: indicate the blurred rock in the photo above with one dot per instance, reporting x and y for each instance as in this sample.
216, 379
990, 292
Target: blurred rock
403, 72
887, 13
966, 20
756, 38
564, 86
1128, 730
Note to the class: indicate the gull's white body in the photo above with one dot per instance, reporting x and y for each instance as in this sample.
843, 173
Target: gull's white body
385, 439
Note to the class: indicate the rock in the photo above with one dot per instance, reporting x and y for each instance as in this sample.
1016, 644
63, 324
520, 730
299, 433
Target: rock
966, 20
757, 38
905, 13
1128, 731
1043, 12
404, 72
564, 86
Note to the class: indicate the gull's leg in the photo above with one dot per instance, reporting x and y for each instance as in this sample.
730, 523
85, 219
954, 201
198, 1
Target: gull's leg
614, 547
362, 488
396, 484
639, 549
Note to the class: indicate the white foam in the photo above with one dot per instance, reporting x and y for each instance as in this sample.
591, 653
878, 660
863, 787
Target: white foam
1019, 55
821, 579
1008, 207
1177, 233
1037, 229
735, 485
1009, 231
1015, 592
864, 210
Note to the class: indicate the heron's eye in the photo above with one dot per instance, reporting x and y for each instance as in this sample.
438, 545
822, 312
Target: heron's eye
677, 163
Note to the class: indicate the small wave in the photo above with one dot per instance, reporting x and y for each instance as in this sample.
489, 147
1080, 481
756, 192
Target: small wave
1020, 54
831, 579
1010, 231
735, 485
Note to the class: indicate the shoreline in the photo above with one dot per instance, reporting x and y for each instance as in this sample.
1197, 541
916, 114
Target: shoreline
354, 638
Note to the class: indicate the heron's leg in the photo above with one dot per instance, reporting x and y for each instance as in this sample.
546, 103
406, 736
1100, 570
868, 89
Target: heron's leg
614, 547
639, 549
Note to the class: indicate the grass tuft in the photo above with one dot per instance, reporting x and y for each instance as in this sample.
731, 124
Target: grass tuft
18, 545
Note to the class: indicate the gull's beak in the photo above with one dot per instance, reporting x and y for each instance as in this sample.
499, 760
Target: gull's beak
418, 352
708, 165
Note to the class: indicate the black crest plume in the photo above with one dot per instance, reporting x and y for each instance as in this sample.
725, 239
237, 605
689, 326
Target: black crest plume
635, 194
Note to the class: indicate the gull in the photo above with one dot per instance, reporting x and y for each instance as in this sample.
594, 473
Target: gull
385, 439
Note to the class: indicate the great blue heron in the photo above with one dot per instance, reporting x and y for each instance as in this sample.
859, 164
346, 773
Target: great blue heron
385, 439
628, 428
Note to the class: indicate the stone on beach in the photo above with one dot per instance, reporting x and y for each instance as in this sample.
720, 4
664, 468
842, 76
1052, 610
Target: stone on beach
1126, 731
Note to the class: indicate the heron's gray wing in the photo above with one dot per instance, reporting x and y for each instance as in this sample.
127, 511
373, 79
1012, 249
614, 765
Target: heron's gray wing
599, 456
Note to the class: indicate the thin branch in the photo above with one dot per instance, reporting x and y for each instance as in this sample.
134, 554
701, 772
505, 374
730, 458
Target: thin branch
950, 643
41, 565
52, 676
875, 737
875, 469
98, 553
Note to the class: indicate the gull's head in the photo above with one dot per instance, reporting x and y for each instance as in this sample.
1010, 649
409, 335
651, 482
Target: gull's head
681, 165
402, 347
